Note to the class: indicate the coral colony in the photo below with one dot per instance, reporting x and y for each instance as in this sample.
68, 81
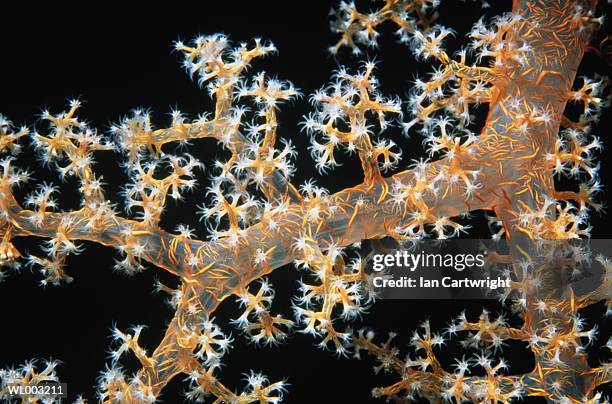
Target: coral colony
521, 64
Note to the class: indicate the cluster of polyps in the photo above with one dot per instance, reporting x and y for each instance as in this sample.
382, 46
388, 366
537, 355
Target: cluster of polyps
258, 221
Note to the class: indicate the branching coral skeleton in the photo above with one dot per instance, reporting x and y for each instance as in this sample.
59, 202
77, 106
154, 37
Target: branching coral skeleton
524, 68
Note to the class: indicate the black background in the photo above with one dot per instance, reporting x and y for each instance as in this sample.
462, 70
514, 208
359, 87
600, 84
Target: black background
116, 59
